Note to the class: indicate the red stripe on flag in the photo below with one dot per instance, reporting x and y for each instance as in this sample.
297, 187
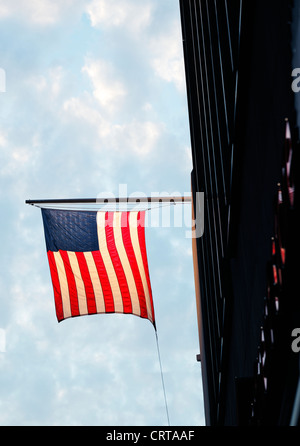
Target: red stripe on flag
141, 235
56, 286
106, 288
111, 246
89, 290
133, 263
71, 284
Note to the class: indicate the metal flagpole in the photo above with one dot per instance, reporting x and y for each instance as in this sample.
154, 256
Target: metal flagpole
170, 199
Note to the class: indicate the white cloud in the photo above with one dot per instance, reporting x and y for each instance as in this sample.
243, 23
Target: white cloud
14, 159
3, 139
136, 136
163, 49
107, 90
86, 113
134, 16
39, 12
167, 57
140, 137
50, 84
4, 9
42, 12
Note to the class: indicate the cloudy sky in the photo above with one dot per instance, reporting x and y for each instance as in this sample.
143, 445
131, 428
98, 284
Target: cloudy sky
93, 97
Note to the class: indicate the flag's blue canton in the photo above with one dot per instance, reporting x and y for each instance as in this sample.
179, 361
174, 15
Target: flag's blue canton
70, 230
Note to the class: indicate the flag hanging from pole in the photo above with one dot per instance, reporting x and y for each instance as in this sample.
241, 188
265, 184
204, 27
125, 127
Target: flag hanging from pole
98, 263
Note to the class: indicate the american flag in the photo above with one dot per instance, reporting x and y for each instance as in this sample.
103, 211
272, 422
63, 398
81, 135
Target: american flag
98, 262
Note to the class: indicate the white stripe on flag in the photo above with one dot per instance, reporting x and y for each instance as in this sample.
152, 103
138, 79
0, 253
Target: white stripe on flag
133, 223
63, 284
100, 305
125, 264
82, 303
112, 277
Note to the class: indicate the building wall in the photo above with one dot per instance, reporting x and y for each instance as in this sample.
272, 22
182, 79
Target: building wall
211, 48
238, 61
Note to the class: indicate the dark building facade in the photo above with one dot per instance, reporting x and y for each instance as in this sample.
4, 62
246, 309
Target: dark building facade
239, 57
